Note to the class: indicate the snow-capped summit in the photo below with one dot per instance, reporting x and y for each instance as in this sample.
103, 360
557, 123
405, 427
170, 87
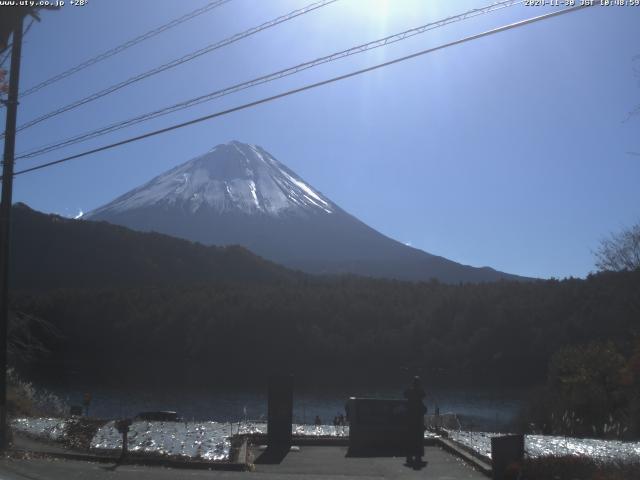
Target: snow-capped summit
240, 194
231, 177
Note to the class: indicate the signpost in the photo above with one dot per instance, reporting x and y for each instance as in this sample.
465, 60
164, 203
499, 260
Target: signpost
123, 427
86, 401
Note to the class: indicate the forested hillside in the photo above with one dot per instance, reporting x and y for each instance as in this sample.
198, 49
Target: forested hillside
146, 307
49, 251
331, 328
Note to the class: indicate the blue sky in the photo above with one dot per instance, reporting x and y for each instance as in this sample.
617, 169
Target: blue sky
510, 151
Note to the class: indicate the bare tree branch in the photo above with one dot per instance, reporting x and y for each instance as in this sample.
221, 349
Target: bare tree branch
621, 251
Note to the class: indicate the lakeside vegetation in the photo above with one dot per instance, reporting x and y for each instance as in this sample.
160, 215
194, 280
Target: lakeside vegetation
504, 333
327, 329
578, 336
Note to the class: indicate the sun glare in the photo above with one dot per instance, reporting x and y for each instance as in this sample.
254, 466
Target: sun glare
379, 7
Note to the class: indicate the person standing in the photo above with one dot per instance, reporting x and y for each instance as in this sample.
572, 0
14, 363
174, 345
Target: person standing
415, 422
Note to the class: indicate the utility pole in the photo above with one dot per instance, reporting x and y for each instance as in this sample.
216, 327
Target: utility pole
5, 222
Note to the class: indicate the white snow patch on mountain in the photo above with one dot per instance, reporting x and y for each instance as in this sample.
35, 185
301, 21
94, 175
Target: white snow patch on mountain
232, 177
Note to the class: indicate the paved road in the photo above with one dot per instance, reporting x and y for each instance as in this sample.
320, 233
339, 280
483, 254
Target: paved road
331, 462
309, 463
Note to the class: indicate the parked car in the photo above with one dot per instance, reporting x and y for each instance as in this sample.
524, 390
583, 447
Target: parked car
159, 416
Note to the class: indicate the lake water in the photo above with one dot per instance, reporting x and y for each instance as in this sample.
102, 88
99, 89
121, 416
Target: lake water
489, 409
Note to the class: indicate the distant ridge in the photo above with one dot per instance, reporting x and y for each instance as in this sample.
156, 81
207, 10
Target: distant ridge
49, 251
240, 194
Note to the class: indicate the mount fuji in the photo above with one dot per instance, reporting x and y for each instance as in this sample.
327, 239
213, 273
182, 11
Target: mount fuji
240, 194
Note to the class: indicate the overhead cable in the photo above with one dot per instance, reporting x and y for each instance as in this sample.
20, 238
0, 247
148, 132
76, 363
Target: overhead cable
124, 46
265, 79
174, 63
294, 91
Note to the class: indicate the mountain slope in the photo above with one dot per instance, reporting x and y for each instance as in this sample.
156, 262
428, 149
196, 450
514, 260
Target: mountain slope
240, 194
49, 251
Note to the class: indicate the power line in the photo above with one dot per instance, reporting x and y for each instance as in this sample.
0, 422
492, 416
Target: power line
6, 56
177, 62
124, 46
4, 59
306, 87
266, 78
